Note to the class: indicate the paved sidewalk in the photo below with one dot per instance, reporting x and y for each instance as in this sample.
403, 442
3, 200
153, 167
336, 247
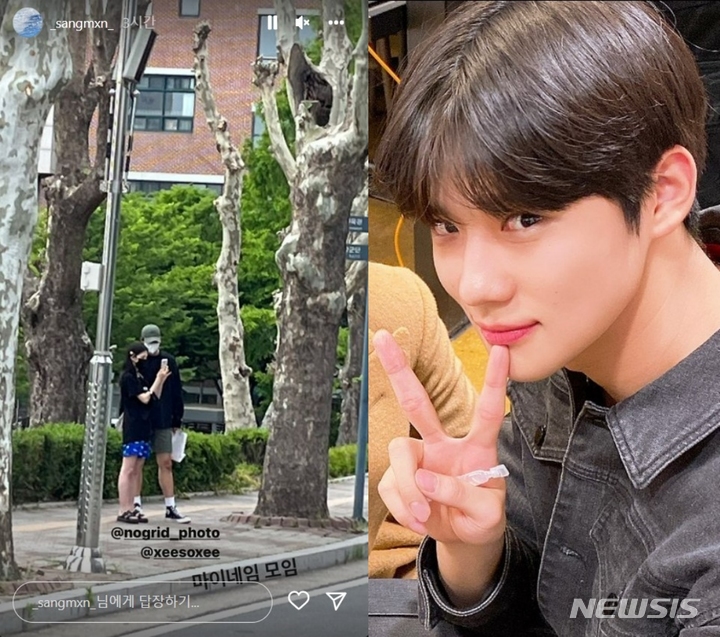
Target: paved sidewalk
44, 535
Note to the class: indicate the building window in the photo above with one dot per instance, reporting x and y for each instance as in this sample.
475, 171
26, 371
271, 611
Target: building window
189, 8
267, 44
150, 187
215, 188
165, 103
258, 126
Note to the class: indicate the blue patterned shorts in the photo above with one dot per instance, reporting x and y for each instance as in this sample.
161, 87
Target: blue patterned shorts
140, 449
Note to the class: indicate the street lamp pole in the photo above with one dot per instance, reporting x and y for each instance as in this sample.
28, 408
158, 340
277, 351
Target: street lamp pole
361, 456
86, 556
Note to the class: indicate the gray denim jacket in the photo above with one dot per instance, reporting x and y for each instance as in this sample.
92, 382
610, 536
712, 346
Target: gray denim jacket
611, 512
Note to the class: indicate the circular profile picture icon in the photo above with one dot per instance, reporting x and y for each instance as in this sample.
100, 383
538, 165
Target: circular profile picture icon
27, 22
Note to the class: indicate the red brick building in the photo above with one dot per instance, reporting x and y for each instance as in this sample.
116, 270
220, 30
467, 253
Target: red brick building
172, 142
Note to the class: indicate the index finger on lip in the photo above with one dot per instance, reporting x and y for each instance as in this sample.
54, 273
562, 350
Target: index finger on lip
490, 404
411, 395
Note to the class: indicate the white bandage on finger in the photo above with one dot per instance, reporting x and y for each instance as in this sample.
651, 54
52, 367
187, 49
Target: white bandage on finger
481, 476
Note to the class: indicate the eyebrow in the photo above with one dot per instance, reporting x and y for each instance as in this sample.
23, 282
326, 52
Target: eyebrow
440, 213
435, 209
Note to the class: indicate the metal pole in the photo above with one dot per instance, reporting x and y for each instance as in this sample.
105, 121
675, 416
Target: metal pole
361, 458
85, 555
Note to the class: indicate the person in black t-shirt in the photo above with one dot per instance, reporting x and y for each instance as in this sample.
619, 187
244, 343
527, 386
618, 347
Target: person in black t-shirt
166, 417
135, 398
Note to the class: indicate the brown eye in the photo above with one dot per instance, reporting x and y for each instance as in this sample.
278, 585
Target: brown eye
521, 222
443, 228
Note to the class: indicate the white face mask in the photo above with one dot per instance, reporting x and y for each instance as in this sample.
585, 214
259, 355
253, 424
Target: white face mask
153, 348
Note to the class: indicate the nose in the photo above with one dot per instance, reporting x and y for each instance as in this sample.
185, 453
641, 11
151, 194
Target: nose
486, 276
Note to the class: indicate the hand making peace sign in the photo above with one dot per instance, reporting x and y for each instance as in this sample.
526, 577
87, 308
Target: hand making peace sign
421, 488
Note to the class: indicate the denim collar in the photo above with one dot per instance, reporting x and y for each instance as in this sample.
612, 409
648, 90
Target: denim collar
659, 423
651, 429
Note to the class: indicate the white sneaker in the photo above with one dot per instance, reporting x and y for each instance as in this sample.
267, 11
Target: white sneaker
171, 513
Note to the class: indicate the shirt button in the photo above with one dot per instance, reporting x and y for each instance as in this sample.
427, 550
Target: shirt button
540, 435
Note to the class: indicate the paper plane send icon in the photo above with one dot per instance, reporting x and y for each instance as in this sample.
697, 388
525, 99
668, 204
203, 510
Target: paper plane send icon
336, 599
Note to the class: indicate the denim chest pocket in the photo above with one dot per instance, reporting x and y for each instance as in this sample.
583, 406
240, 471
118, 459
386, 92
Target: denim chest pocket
632, 603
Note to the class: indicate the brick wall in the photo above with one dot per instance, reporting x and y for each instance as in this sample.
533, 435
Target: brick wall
232, 50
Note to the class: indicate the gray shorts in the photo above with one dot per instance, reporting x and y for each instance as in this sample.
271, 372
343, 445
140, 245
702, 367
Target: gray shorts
162, 441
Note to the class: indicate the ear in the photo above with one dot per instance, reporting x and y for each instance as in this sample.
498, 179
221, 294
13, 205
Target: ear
673, 192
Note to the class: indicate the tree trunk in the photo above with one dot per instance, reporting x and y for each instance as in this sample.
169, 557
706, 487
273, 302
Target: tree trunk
312, 262
350, 375
32, 71
267, 420
237, 401
325, 178
57, 346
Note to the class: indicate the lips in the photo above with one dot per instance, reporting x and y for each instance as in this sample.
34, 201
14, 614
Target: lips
502, 335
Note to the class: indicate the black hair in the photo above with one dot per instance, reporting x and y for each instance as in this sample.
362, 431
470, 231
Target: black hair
525, 107
133, 350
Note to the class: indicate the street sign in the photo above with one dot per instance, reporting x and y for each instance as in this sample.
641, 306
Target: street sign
356, 252
359, 252
358, 224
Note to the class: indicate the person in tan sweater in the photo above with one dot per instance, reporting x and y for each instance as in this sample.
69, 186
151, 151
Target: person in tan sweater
402, 304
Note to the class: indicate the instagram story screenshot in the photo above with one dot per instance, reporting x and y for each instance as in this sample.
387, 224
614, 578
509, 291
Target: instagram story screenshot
183, 331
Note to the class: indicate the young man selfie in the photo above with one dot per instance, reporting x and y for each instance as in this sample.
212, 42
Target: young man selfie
554, 149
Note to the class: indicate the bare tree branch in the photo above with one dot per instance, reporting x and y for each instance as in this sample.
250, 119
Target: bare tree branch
337, 52
361, 47
359, 95
104, 47
286, 36
218, 124
286, 31
267, 73
235, 373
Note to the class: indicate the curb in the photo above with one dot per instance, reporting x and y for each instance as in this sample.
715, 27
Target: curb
202, 580
31, 506
257, 521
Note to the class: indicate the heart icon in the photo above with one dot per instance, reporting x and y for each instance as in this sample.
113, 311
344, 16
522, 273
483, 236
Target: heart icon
299, 598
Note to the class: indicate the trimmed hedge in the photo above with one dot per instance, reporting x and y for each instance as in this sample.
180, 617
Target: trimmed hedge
342, 461
210, 461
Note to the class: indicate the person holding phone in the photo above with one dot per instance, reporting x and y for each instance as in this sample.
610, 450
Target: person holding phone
553, 148
166, 417
137, 396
